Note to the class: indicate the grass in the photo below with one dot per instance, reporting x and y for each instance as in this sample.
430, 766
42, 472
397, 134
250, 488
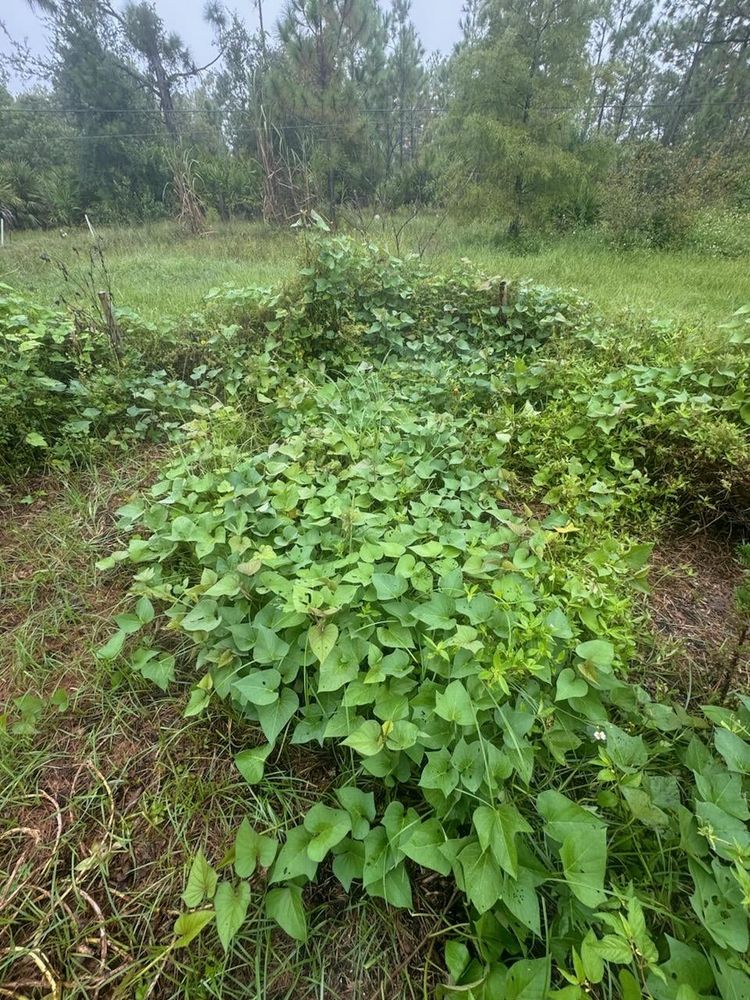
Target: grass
156, 270
675, 285
160, 270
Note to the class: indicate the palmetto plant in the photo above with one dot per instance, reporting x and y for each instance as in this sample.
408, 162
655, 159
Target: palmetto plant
22, 199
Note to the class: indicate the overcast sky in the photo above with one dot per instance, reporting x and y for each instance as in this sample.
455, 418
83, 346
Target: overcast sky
436, 20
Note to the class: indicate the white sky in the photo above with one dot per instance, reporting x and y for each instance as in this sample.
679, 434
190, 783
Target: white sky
436, 21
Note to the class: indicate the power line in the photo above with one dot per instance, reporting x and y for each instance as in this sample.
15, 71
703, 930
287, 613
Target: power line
366, 112
192, 111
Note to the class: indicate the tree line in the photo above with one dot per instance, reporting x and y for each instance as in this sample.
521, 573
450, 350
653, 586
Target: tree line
546, 113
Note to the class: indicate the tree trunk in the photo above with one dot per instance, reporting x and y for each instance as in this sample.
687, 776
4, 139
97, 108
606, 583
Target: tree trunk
673, 126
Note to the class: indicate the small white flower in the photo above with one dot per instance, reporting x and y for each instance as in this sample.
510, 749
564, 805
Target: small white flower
600, 736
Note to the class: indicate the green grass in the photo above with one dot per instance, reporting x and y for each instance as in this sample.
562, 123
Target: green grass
675, 285
156, 270
159, 270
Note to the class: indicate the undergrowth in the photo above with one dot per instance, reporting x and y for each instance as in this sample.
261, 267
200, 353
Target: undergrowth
407, 530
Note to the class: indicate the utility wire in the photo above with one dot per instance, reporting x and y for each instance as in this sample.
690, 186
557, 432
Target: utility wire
364, 112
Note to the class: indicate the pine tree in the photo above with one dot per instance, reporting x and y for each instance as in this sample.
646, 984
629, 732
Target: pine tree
518, 81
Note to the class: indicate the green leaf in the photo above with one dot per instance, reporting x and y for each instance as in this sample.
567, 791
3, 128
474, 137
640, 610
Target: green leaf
497, 830
402, 736
226, 586
427, 847
733, 982
439, 772
144, 611
156, 667
251, 763
293, 860
569, 685
367, 740
598, 652
457, 959
642, 807
717, 903
269, 647
469, 760
349, 862
198, 701
613, 948
729, 833
734, 750
112, 648
341, 665
285, 906
231, 906
584, 858
565, 817
258, 688
388, 587
129, 624
437, 613
202, 618
274, 717
322, 640
481, 876
395, 636
629, 985
328, 827
361, 808
189, 925
394, 888
250, 848
201, 883
249, 568
454, 705
592, 963
35, 440
528, 980
519, 896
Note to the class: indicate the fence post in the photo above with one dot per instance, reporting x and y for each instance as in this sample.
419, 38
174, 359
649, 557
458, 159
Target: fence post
115, 334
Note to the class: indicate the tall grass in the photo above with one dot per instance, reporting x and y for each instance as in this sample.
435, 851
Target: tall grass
158, 269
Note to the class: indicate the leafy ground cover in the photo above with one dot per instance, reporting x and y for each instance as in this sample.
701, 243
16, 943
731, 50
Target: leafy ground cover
384, 629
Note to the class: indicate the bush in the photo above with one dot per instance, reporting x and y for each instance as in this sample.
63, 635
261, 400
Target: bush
647, 200
63, 388
722, 233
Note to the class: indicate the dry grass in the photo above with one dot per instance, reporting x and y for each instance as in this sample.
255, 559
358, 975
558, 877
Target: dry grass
691, 607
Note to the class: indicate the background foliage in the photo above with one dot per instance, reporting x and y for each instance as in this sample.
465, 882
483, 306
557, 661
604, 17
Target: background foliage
628, 113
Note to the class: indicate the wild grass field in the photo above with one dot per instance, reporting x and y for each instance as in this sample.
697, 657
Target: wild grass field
160, 269
379, 634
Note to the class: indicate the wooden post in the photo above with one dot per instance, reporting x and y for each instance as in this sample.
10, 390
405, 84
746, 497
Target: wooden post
88, 223
113, 330
2, 231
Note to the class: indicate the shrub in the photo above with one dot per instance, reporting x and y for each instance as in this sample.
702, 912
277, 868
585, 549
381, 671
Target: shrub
649, 201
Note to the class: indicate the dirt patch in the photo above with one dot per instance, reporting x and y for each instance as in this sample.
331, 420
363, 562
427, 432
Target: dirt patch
691, 607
